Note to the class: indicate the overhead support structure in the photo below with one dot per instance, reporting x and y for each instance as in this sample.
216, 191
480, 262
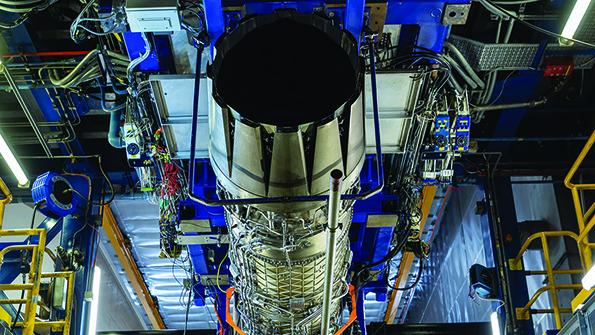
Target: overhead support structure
32, 122
131, 268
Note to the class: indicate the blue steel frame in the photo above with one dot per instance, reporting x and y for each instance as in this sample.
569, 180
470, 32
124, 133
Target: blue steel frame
427, 15
423, 13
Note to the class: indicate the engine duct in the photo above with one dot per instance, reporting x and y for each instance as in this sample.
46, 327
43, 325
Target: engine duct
289, 110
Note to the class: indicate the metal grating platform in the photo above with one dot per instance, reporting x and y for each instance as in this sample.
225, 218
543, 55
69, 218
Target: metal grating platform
513, 56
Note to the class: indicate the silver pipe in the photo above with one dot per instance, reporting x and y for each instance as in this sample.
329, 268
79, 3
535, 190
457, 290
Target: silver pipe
17, 94
546, 17
331, 232
530, 104
509, 31
499, 30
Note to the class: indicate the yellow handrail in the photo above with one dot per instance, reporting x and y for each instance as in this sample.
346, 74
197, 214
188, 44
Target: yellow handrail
581, 216
7, 199
33, 284
530, 239
582, 240
577, 163
34, 277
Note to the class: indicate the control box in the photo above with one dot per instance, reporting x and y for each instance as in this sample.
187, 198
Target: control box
156, 16
442, 132
462, 133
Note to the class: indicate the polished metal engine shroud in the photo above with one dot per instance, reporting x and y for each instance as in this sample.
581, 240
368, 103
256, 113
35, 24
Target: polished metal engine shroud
278, 251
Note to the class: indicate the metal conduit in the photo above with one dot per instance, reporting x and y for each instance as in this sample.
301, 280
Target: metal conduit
26, 110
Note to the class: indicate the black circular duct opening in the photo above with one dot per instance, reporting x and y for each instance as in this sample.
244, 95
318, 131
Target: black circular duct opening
286, 70
62, 192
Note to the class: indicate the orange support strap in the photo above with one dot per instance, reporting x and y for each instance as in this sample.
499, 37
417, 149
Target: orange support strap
228, 317
353, 314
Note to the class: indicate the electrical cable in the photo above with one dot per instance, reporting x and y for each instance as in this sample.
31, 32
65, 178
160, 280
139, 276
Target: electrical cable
16, 317
463, 74
109, 182
134, 63
501, 89
20, 7
15, 23
219, 271
515, 2
87, 69
219, 321
76, 24
499, 11
417, 278
463, 61
189, 300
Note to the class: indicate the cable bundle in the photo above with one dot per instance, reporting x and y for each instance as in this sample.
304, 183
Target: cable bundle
88, 69
24, 8
171, 192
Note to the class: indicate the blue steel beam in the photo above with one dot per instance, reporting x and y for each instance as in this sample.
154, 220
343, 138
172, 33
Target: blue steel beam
215, 22
425, 14
354, 18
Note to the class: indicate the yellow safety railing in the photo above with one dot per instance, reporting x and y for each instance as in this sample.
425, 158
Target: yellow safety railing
581, 239
582, 216
7, 199
35, 249
524, 313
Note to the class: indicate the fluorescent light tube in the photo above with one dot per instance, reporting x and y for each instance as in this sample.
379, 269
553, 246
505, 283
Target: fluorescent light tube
495, 323
12, 163
575, 18
95, 302
588, 280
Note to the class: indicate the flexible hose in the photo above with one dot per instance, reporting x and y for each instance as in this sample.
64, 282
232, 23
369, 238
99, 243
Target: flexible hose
461, 72
75, 73
463, 61
114, 138
134, 63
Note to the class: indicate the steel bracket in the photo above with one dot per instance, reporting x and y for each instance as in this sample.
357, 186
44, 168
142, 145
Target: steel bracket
515, 265
522, 313
202, 239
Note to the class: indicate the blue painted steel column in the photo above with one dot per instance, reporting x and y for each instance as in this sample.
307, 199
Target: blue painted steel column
361, 312
77, 233
215, 21
80, 232
354, 18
